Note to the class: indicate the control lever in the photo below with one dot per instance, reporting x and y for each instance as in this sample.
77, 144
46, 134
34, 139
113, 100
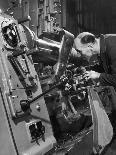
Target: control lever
60, 83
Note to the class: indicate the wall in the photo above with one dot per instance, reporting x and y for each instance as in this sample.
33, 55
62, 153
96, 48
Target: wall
87, 15
4, 5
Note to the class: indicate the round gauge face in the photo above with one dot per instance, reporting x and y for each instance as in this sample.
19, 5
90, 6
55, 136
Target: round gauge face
10, 35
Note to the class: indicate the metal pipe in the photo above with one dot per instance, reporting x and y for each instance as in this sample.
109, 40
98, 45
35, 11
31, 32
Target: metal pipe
25, 19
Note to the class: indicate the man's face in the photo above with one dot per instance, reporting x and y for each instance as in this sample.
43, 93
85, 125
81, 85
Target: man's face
87, 52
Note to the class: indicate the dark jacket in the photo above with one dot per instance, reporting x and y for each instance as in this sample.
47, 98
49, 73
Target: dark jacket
108, 59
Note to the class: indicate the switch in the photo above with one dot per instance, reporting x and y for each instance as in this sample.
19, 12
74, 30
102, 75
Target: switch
37, 130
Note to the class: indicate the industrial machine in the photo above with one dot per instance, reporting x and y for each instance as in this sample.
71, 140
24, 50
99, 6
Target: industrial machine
44, 104
73, 103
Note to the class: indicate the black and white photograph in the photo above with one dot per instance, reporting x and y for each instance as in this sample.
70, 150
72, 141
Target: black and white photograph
57, 77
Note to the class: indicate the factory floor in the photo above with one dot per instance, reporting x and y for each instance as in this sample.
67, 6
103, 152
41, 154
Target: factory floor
83, 145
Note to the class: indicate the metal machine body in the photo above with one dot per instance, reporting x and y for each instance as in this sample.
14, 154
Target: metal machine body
25, 128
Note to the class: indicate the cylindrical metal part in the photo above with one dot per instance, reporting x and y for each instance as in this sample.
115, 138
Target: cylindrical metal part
25, 19
40, 42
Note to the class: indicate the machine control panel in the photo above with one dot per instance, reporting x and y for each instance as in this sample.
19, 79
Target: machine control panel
36, 130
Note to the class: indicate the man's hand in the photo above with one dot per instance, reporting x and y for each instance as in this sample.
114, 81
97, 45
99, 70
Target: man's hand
91, 75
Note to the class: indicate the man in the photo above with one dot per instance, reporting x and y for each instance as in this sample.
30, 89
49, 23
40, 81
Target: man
105, 72
105, 47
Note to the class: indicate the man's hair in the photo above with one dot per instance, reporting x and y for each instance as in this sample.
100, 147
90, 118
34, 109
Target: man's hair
84, 38
88, 39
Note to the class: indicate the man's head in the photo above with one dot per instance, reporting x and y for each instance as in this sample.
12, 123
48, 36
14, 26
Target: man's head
87, 44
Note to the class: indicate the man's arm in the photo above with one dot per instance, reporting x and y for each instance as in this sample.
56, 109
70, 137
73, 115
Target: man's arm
110, 79
97, 68
107, 79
